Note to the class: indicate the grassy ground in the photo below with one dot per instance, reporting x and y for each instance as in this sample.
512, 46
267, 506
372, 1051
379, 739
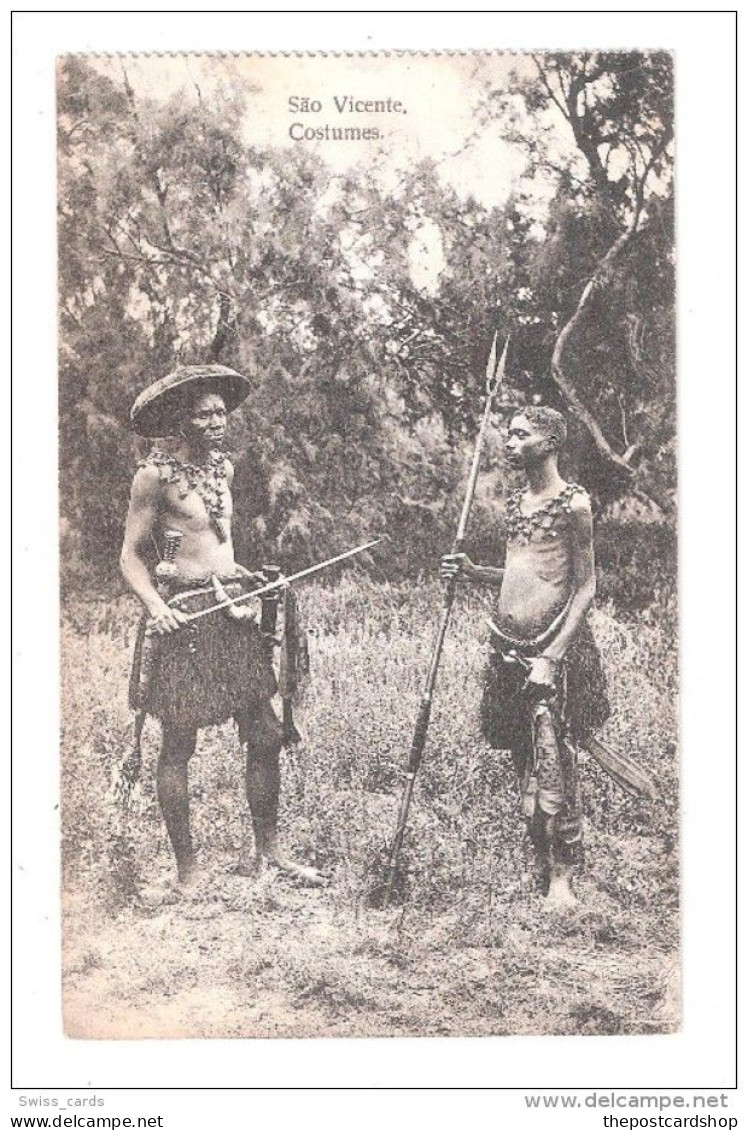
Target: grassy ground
470, 951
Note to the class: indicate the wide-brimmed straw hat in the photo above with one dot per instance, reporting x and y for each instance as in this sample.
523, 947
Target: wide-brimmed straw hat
156, 411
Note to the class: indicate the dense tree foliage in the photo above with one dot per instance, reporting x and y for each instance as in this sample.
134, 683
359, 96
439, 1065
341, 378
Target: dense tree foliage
365, 313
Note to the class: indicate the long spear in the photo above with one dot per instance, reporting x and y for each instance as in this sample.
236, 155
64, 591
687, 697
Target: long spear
494, 376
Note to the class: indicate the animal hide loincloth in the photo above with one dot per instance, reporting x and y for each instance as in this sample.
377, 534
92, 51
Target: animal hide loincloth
543, 735
506, 709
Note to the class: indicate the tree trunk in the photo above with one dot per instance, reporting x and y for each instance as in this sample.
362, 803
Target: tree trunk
225, 328
559, 375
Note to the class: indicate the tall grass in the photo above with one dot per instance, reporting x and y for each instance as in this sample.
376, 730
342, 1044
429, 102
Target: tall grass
466, 875
370, 646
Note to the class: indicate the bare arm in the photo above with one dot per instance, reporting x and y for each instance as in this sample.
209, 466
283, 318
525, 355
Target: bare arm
583, 565
142, 516
459, 565
488, 575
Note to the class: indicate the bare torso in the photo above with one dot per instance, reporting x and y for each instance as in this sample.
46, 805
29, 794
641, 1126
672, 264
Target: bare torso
536, 587
169, 494
539, 572
201, 550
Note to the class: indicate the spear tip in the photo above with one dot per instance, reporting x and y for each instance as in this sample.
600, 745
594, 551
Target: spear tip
496, 368
491, 366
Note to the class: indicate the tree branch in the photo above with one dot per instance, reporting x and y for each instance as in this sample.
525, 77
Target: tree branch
558, 375
549, 89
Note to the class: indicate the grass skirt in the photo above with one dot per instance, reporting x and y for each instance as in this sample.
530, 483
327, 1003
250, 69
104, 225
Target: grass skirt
208, 672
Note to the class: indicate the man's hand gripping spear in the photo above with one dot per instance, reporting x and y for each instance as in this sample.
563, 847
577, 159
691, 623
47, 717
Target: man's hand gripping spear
494, 377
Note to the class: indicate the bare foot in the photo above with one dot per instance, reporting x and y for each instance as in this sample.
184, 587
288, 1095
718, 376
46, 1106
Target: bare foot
190, 891
156, 896
254, 868
308, 875
560, 895
259, 867
189, 879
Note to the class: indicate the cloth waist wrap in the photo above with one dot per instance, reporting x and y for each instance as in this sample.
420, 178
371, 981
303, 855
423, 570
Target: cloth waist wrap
542, 735
207, 671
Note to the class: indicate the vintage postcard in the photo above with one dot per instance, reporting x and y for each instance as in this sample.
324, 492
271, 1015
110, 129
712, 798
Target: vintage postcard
368, 544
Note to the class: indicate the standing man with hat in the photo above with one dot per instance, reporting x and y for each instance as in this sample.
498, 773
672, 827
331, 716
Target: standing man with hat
218, 668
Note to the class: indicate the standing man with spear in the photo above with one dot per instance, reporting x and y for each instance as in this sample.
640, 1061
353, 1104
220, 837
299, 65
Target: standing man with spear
545, 693
201, 657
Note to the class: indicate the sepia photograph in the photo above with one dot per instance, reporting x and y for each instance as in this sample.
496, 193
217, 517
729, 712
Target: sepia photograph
368, 544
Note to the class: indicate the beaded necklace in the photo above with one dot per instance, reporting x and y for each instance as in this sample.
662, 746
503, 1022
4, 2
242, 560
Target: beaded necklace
521, 527
208, 481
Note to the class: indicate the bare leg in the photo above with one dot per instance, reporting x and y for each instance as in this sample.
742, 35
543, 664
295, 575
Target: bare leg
537, 830
560, 893
177, 747
559, 802
566, 832
536, 821
260, 735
